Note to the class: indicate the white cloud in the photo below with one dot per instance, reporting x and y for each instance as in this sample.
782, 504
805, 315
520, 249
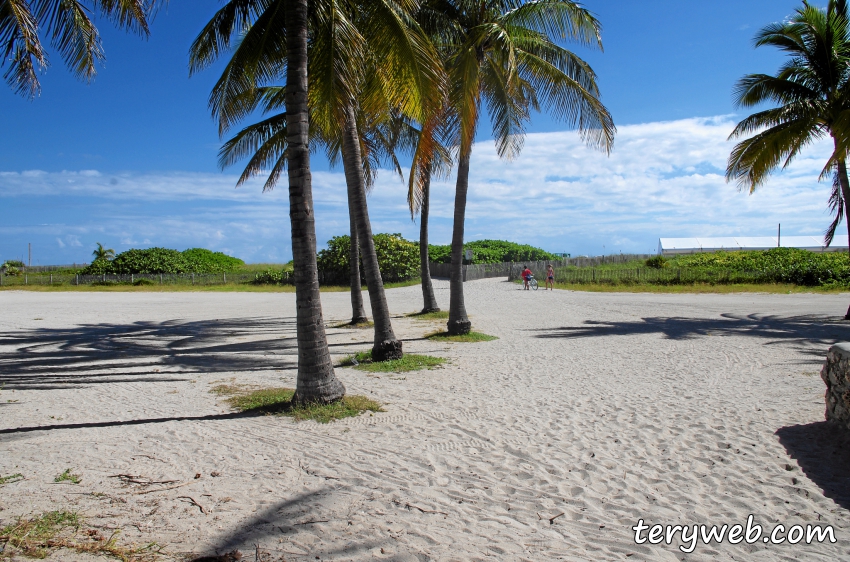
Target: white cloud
662, 180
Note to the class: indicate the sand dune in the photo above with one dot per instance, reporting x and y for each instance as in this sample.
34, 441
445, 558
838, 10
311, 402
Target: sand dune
592, 410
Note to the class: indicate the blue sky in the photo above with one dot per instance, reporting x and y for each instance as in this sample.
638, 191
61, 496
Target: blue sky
130, 159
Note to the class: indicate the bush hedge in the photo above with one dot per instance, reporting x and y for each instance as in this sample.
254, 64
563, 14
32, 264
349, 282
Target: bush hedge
779, 265
398, 258
164, 260
491, 251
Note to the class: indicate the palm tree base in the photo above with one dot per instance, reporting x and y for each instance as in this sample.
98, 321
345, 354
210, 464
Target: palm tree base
324, 394
359, 320
847, 316
459, 327
387, 350
427, 310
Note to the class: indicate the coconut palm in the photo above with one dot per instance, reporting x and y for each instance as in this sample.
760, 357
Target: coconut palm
430, 158
366, 57
505, 55
813, 92
71, 31
101, 253
316, 380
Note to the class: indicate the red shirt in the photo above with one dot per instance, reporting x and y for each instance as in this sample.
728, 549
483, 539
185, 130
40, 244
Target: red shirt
526, 273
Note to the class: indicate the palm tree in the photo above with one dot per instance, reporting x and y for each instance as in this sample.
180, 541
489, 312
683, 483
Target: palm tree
813, 92
71, 32
316, 379
502, 53
101, 253
429, 158
347, 79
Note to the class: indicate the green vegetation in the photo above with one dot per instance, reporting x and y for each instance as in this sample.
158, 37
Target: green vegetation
783, 266
410, 362
471, 337
68, 476
11, 478
278, 401
491, 251
271, 276
37, 537
398, 259
163, 260
657, 262
33, 537
439, 315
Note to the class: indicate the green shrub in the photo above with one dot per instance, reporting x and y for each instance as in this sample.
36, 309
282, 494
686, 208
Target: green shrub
14, 263
151, 260
779, 265
491, 251
657, 262
142, 282
272, 277
200, 260
398, 259
163, 260
11, 270
98, 267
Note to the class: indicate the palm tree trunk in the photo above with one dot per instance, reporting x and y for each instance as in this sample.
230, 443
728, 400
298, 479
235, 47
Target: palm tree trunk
316, 381
358, 313
845, 192
459, 323
386, 345
430, 301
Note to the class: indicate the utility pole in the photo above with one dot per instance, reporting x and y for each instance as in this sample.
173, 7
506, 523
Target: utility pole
29, 261
779, 235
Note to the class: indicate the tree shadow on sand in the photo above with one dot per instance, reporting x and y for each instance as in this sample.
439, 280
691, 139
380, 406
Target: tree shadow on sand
812, 333
266, 532
168, 351
822, 450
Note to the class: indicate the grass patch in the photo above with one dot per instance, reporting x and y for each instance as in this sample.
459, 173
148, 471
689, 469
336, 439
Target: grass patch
439, 315
37, 537
68, 476
410, 362
278, 401
471, 337
701, 288
111, 286
11, 478
348, 324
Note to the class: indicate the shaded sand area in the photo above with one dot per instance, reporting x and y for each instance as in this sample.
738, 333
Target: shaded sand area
604, 407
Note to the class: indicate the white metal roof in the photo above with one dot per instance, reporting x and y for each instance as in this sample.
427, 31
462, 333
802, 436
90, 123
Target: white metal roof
688, 245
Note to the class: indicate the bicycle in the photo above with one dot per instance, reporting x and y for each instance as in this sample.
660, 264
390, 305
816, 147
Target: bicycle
532, 282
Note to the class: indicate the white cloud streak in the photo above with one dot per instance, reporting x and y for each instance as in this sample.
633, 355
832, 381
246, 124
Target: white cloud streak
662, 180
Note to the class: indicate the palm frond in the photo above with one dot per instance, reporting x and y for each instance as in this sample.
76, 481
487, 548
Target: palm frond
20, 47
562, 19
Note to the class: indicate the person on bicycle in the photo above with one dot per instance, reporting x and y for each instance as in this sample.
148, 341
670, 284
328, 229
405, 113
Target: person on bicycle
526, 277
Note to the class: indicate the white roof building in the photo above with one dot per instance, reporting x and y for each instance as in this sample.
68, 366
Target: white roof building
671, 246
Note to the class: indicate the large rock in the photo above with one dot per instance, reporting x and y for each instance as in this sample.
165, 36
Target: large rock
836, 375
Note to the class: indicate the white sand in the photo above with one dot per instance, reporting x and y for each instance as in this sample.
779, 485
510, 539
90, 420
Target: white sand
608, 408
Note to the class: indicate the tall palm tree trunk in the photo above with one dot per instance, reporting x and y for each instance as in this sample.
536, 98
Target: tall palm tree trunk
845, 192
428, 298
358, 313
316, 380
459, 323
386, 345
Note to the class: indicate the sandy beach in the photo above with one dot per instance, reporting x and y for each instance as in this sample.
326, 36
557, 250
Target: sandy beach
591, 411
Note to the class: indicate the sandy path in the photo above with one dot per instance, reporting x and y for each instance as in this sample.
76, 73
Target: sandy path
608, 408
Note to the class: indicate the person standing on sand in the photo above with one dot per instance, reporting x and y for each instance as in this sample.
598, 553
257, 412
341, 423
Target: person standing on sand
550, 277
526, 276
